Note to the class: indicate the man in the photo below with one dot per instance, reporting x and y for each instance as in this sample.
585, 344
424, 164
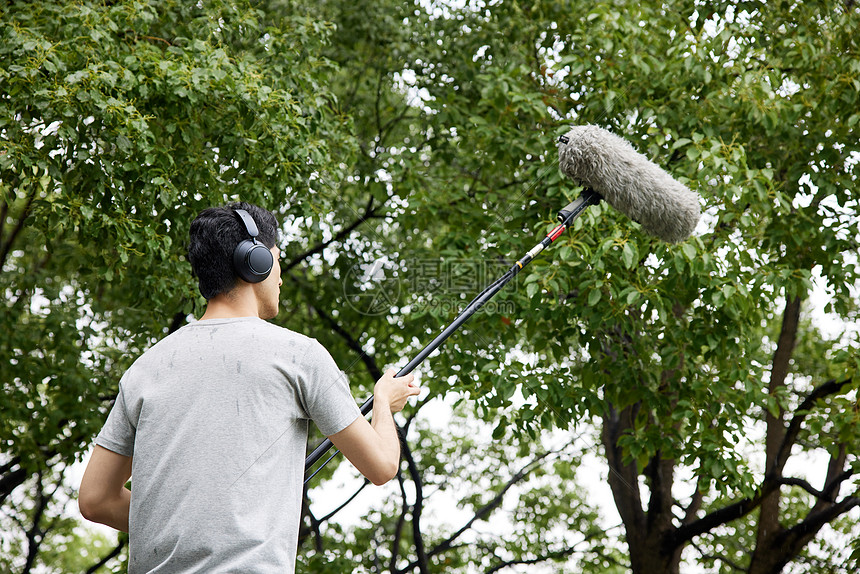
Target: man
211, 422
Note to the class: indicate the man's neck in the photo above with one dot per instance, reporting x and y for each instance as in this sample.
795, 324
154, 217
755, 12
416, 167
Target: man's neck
231, 306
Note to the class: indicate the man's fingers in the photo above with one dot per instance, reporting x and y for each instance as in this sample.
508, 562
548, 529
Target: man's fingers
406, 380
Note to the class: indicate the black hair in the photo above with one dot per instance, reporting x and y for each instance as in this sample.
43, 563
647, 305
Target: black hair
214, 234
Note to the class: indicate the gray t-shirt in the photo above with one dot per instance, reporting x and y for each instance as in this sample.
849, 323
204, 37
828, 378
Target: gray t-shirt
216, 417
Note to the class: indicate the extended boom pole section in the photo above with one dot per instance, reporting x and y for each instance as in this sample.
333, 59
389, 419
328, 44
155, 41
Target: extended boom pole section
566, 217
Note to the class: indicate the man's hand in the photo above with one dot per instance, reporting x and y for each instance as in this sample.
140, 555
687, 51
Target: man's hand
395, 391
374, 448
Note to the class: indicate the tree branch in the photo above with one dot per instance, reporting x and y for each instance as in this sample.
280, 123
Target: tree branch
623, 478
16, 478
779, 372
398, 529
315, 528
382, 74
827, 389
770, 483
415, 410
791, 481
836, 475
391, 123
816, 520
110, 556
731, 564
4, 211
7, 245
10, 481
7, 466
564, 553
305, 531
775, 431
154, 39
482, 512
35, 535
369, 213
345, 503
351, 342
417, 508
718, 517
693, 508
792, 540
789, 542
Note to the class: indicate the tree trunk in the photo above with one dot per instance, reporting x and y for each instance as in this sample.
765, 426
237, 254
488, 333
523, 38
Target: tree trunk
646, 531
765, 558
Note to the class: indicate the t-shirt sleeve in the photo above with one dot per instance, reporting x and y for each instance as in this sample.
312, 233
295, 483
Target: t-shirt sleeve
325, 393
117, 435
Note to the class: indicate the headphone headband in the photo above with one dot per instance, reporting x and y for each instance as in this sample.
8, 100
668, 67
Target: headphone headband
250, 224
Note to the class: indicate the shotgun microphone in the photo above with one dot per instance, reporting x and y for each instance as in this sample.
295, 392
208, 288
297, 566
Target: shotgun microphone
629, 182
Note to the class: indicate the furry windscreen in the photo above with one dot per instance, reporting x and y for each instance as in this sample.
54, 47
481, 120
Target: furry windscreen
629, 182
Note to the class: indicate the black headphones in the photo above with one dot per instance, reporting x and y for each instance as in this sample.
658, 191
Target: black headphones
252, 260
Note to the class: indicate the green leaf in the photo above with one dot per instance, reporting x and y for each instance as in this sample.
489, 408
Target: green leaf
632, 296
629, 255
689, 251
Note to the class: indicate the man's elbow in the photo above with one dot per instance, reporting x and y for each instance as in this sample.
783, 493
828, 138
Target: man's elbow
93, 505
89, 506
384, 472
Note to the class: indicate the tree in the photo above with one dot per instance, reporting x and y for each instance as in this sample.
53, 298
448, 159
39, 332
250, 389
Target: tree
419, 137
118, 122
686, 353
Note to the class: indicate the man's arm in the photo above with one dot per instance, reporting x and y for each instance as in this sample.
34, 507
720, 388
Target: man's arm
374, 448
103, 496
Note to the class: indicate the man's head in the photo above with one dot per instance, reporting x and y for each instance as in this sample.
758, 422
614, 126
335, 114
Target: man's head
214, 235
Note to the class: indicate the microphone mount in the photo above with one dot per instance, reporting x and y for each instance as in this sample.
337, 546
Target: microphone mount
572, 210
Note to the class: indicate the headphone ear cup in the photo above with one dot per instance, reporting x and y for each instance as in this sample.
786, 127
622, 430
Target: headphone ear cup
252, 261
